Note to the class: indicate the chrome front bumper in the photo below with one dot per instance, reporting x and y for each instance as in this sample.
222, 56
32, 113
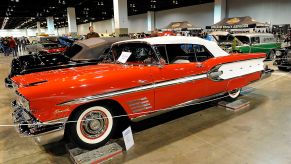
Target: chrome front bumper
28, 126
8, 83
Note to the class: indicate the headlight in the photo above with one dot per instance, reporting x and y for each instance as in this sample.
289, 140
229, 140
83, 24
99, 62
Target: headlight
14, 85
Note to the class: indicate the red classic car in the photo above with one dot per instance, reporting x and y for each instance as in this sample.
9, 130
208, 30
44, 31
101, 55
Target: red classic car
45, 48
138, 79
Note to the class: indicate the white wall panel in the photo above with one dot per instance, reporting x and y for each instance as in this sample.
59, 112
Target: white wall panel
83, 29
199, 15
103, 26
137, 23
20, 32
62, 31
271, 11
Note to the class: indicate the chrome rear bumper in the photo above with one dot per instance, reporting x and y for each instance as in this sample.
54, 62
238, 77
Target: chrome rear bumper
28, 126
266, 73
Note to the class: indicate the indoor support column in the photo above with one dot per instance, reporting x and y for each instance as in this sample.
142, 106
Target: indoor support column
113, 25
26, 32
50, 26
220, 10
72, 23
151, 21
38, 28
120, 17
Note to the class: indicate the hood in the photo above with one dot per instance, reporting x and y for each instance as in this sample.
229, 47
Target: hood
62, 75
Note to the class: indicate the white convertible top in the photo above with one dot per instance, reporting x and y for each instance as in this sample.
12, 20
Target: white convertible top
211, 46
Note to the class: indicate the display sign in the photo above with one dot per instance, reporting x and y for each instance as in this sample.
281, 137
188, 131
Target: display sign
232, 26
128, 138
124, 57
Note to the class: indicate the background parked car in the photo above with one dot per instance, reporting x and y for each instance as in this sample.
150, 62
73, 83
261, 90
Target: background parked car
224, 39
258, 42
82, 53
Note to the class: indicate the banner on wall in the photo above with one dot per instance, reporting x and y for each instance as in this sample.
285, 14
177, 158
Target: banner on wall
238, 23
185, 25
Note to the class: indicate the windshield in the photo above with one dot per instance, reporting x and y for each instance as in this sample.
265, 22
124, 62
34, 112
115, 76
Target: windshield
134, 53
225, 38
243, 39
94, 53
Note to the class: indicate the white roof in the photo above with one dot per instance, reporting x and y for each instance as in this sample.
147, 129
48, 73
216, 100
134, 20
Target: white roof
254, 34
211, 46
223, 33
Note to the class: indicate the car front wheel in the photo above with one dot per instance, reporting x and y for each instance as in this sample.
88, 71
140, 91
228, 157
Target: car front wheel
92, 127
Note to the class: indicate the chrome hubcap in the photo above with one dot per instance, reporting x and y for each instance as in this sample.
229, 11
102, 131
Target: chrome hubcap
94, 124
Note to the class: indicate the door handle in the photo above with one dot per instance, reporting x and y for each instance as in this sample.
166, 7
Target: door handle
142, 81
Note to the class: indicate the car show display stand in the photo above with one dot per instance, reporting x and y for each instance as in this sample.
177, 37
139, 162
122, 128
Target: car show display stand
99, 155
236, 105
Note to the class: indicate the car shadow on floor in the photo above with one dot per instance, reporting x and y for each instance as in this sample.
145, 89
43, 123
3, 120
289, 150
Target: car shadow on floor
159, 131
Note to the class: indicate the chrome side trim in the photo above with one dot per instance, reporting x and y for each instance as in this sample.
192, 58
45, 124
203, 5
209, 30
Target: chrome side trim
139, 105
185, 104
136, 89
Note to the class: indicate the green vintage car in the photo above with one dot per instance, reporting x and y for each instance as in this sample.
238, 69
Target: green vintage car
257, 42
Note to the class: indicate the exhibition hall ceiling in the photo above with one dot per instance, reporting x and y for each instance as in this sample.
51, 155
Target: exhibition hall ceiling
25, 13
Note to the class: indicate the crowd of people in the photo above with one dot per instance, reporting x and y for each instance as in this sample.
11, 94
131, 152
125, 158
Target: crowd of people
10, 45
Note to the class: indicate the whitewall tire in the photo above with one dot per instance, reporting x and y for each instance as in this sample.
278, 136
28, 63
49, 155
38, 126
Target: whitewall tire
92, 127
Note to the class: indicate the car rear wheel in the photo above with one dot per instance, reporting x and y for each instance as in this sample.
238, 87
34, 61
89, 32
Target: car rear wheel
92, 127
234, 94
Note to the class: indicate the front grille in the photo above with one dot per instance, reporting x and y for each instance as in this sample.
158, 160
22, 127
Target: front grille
28, 125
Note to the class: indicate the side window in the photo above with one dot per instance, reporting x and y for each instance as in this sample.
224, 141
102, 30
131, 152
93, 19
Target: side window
243, 39
180, 53
139, 53
202, 54
255, 40
269, 40
187, 53
161, 52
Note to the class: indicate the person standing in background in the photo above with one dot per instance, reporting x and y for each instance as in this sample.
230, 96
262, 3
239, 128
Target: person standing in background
17, 41
22, 43
92, 34
12, 46
5, 44
1, 45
